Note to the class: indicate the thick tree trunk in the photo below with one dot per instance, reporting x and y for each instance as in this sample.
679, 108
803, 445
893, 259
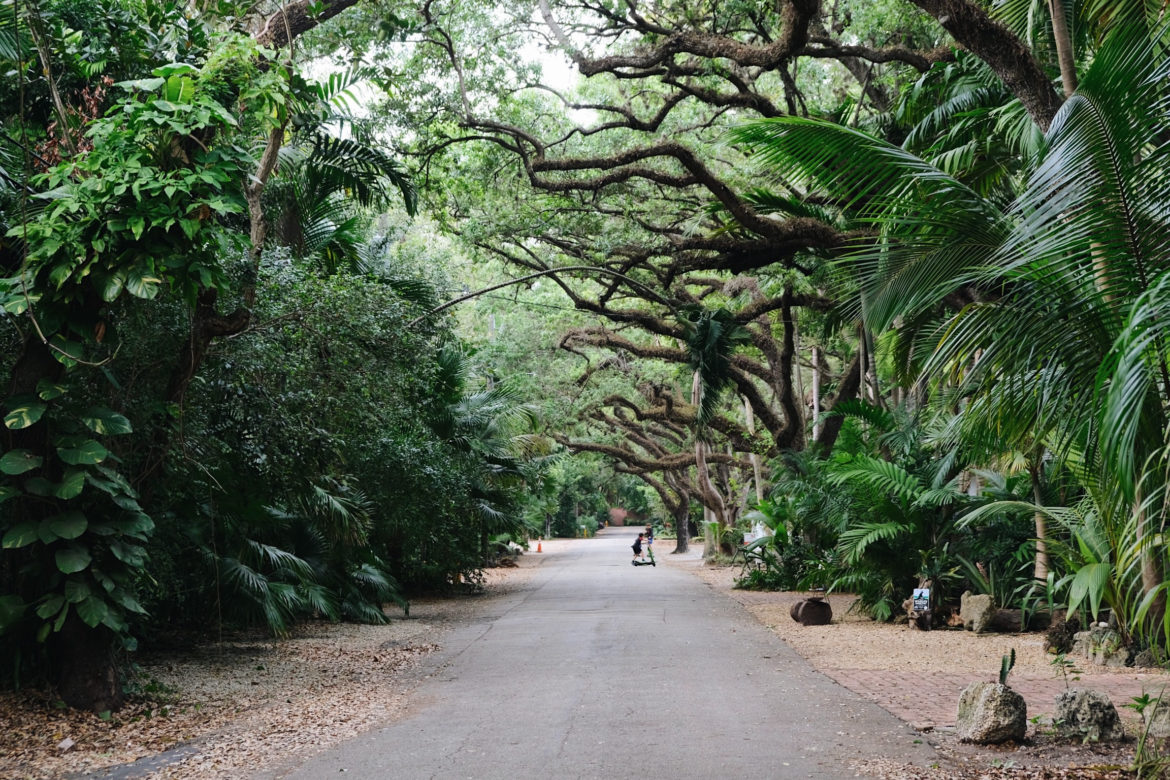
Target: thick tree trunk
789, 402
1006, 55
682, 524
711, 497
816, 393
757, 465
85, 666
82, 662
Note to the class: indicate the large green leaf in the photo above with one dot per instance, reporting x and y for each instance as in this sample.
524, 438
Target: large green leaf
77, 590
87, 453
47, 390
24, 413
50, 606
73, 559
7, 493
93, 611
19, 461
68, 525
106, 421
130, 554
137, 525
142, 284
1090, 583
21, 535
71, 484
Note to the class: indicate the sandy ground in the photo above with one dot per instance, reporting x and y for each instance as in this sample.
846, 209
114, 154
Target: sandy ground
228, 709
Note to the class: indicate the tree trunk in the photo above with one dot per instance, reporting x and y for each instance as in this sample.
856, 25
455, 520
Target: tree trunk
1040, 569
1064, 47
85, 670
711, 497
682, 524
757, 466
847, 391
710, 543
816, 393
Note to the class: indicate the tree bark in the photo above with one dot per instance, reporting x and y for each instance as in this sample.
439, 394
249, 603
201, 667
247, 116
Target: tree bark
1040, 568
847, 391
1064, 47
1006, 55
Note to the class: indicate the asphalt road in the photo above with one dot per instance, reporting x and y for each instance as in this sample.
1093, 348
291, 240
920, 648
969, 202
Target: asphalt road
599, 669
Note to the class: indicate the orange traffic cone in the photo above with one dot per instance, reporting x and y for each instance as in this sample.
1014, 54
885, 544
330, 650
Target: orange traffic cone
538, 547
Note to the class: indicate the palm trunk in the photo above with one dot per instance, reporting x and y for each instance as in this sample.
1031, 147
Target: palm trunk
1064, 47
1040, 569
816, 393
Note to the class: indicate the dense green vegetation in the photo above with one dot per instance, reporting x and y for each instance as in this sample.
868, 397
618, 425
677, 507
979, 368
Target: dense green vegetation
885, 277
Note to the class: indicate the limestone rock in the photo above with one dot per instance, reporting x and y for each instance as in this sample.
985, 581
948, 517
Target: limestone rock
1101, 645
1157, 719
1147, 659
990, 713
976, 611
1087, 715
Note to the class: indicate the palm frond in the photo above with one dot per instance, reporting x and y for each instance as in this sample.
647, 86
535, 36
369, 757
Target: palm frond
276, 558
856, 539
880, 475
363, 171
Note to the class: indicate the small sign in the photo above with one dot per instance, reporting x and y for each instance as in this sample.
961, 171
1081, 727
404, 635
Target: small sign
921, 599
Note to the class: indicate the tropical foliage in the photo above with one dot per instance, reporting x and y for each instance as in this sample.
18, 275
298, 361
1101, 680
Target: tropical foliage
903, 306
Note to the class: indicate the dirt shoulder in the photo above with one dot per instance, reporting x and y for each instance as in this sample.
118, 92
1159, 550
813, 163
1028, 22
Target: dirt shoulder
228, 709
231, 708
918, 676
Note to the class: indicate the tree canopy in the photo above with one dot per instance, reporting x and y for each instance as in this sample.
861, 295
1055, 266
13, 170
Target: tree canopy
306, 308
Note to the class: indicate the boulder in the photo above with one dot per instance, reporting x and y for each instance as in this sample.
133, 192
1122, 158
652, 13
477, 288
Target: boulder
1102, 646
990, 713
1148, 659
1060, 635
1156, 717
976, 611
814, 611
1007, 621
1088, 716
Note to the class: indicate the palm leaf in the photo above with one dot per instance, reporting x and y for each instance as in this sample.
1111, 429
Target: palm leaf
854, 541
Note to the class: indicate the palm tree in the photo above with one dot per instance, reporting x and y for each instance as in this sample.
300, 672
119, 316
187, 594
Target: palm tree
325, 180
489, 430
1054, 299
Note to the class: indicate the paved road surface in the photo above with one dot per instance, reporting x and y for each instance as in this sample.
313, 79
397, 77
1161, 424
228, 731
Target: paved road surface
599, 669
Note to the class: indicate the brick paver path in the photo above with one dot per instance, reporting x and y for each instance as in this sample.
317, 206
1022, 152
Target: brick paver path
930, 699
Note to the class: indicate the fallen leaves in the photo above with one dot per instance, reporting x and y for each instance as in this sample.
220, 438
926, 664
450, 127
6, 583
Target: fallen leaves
248, 702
